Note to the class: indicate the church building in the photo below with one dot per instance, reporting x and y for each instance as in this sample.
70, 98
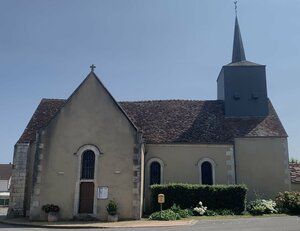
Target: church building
81, 152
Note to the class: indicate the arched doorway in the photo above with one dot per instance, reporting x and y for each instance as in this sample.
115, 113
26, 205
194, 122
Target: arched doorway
87, 187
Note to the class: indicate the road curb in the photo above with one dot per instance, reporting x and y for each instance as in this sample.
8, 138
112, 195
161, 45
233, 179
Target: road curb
98, 225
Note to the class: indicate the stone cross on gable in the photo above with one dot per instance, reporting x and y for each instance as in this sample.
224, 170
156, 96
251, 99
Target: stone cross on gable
92, 67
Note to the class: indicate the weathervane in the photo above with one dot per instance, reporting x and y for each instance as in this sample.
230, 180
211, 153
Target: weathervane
235, 7
92, 67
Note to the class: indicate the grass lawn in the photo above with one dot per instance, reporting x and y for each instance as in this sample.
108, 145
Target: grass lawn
233, 216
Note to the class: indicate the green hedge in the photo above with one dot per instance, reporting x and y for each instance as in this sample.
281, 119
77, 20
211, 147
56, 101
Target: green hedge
231, 197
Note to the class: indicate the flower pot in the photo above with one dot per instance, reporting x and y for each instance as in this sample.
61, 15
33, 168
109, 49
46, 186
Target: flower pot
52, 216
112, 218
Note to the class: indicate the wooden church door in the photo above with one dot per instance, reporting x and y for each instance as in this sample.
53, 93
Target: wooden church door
86, 197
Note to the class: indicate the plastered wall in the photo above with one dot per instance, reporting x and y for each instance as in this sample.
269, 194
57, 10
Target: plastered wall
262, 164
180, 163
90, 117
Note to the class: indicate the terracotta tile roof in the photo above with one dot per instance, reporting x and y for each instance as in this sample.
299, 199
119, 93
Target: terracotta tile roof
295, 173
176, 121
5, 171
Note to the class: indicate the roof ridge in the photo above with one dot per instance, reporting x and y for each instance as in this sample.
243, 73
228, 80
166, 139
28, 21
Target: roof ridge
143, 101
50, 99
170, 100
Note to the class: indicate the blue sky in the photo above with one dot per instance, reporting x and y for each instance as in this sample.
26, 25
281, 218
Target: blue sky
143, 50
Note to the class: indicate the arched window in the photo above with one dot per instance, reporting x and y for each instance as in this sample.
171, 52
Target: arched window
206, 173
88, 165
206, 168
155, 173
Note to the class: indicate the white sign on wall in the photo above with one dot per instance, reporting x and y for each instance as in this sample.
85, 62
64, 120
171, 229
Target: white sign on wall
102, 192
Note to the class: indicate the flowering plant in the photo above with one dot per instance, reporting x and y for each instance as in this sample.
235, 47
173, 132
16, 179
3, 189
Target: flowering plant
259, 207
288, 202
112, 207
50, 208
200, 209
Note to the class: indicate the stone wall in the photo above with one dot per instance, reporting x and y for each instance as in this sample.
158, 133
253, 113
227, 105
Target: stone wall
138, 185
18, 181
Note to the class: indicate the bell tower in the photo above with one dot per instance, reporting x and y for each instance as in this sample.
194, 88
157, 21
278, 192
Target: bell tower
242, 84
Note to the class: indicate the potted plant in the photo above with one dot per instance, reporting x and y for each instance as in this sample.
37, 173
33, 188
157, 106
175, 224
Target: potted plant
52, 211
111, 209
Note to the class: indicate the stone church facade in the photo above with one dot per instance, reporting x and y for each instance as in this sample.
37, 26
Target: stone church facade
82, 152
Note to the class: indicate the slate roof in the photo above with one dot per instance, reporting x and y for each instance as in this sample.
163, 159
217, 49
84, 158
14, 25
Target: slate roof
175, 121
238, 53
295, 173
5, 171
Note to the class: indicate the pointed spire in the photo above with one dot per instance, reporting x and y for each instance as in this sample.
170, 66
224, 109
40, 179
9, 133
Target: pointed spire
238, 53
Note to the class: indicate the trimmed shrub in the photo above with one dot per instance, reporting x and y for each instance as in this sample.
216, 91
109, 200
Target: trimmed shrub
210, 213
224, 212
183, 213
260, 207
174, 213
214, 197
288, 202
165, 215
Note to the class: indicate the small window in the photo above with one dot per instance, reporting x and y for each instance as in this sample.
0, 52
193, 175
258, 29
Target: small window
88, 165
236, 96
206, 173
155, 173
254, 95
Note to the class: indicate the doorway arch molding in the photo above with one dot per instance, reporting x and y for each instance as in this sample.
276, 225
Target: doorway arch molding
79, 154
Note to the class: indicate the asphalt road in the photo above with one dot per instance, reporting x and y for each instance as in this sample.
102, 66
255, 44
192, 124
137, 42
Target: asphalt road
284, 223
